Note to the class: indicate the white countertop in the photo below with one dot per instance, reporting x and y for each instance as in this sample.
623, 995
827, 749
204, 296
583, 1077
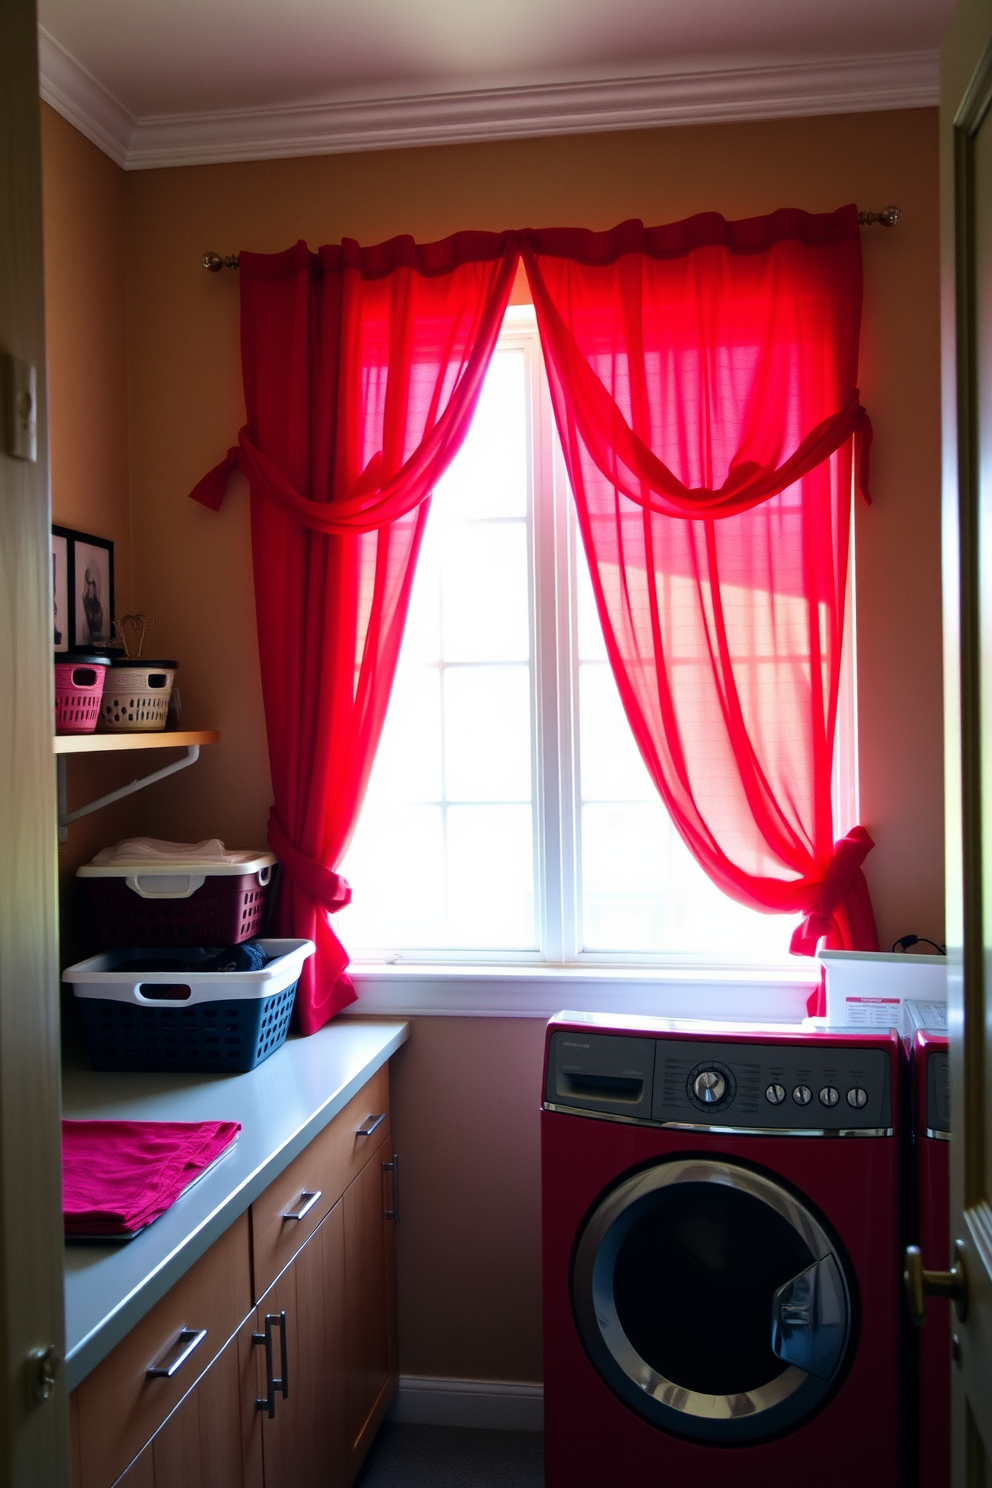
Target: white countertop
281, 1105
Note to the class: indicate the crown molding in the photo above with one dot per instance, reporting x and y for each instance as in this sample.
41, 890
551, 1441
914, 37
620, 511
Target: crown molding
82, 99
703, 96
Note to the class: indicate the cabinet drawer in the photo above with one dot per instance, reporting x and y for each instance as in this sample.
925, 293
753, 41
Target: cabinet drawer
118, 1407
327, 1166
214, 1439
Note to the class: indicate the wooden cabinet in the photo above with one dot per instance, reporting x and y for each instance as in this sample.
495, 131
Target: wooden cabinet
325, 1301
209, 1441
316, 1179
120, 1405
337, 1299
303, 1440
369, 1367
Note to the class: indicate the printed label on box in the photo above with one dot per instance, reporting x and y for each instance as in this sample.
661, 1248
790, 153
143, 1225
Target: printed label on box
873, 1012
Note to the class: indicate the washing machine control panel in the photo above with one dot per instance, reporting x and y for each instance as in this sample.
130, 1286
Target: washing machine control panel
810, 1087
601, 1072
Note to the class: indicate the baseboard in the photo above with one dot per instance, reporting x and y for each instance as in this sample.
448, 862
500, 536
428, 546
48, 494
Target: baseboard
499, 1405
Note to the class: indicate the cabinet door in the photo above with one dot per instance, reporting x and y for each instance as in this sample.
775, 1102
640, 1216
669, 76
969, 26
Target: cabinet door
118, 1408
212, 1439
369, 1305
339, 1299
302, 1443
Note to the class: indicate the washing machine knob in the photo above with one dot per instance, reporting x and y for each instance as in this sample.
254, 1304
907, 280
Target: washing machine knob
710, 1087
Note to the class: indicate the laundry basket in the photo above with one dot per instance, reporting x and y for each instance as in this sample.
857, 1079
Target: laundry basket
177, 904
197, 1021
136, 696
79, 680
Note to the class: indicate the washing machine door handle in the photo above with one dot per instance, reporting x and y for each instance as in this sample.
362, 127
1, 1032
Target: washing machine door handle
810, 1321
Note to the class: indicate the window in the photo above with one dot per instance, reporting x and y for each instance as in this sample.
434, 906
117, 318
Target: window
494, 827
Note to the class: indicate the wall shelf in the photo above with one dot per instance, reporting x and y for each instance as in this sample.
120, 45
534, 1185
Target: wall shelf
65, 744
98, 743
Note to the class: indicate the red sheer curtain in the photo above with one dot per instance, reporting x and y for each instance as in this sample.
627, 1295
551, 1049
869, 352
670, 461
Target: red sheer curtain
362, 368
703, 378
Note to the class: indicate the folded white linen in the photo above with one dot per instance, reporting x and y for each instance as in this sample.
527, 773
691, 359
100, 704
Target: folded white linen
141, 851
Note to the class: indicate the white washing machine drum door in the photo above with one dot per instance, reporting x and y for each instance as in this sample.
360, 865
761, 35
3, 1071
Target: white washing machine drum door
712, 1301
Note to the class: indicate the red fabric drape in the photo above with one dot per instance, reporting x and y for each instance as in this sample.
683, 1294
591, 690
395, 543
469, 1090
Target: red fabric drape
362, 368
703, 377
704, 384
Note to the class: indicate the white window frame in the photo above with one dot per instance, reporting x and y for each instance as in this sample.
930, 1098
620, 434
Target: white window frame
438, 980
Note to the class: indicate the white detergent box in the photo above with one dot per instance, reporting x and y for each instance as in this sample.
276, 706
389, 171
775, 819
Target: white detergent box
868, 989
930, 1017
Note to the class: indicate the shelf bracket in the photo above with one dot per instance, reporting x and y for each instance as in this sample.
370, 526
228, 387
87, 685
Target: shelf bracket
65, 817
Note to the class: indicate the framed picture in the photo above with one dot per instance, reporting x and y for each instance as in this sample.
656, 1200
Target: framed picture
60, 588
88, 601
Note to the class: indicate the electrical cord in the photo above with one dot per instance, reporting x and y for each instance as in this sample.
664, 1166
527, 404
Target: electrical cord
905, 941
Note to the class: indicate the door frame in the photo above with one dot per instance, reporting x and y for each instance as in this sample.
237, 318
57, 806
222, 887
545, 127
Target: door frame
34, 1437
966, 101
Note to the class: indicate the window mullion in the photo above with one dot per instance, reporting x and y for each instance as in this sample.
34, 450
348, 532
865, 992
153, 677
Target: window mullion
567, 556
552, 824
844, 782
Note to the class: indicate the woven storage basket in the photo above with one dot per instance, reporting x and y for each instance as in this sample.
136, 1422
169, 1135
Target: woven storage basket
136, 696
79, 683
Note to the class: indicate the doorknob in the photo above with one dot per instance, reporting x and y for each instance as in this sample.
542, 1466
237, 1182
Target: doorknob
921, 1284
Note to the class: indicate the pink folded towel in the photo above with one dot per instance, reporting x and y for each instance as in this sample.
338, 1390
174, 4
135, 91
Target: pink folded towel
117, 1176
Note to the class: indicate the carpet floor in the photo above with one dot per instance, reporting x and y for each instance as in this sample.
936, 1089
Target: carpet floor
453, 1457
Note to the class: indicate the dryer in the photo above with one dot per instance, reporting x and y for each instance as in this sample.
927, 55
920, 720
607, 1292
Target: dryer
930, 1224
721, 1262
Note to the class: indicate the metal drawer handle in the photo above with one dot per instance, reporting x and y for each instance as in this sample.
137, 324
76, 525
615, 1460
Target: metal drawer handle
394, 1168
273, 1320
308, 1198
191, 1338
369, 1125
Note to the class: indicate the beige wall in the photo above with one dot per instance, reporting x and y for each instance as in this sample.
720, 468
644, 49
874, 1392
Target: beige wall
84, 207
466, 1095
83, 199
467, 1090
191, 566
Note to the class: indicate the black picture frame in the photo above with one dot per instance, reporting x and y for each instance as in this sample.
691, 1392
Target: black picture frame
89, 573
61, 589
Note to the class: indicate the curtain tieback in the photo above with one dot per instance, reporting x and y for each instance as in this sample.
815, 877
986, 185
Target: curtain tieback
322, 884
211, 490
264, 475
838, 881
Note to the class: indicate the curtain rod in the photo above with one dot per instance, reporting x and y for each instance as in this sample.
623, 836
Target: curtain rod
887, 217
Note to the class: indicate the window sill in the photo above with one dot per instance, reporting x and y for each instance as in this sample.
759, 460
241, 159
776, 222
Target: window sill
745, 995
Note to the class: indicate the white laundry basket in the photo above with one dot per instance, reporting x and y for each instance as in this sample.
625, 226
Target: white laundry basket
194, 1021
136, 696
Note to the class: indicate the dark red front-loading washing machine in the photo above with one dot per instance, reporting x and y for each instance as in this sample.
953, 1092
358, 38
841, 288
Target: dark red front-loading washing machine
721, 1255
